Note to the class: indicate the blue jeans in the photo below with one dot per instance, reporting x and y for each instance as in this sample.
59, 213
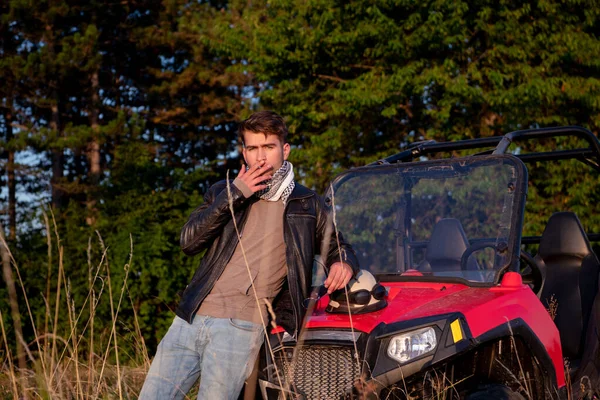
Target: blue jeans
222, 350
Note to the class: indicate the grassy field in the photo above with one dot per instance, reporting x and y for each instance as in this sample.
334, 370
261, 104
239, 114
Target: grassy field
58, 363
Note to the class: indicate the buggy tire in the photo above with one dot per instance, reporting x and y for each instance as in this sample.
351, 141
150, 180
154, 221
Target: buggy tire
494, 392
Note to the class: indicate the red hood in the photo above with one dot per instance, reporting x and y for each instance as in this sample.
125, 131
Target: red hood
406, 300
413, 300
483, 308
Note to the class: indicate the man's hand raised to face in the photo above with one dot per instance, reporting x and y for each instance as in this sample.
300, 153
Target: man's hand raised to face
339, 275
255, 177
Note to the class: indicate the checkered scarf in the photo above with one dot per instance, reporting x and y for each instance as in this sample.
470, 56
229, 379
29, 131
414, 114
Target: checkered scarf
281, 185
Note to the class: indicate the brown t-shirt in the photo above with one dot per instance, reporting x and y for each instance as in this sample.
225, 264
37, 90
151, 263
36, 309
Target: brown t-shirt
264, 248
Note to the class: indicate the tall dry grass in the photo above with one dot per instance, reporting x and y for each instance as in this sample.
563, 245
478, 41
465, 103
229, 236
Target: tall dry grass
62, 364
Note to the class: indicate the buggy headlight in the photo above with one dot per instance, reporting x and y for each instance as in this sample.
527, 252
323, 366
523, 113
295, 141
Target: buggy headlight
410, 345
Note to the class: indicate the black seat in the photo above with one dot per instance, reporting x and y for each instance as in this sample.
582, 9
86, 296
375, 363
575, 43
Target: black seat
446, 246
571, 275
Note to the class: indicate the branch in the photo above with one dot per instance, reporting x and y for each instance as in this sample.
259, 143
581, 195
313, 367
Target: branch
362, 66
331, 78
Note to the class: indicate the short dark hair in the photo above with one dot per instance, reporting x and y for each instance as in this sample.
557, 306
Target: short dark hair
267, 122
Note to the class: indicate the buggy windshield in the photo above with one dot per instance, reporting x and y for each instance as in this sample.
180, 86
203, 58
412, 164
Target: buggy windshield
457, 218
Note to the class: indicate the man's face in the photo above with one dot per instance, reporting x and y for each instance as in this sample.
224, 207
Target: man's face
265, 150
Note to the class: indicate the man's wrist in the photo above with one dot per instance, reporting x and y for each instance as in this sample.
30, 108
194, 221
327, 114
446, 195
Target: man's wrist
240, 184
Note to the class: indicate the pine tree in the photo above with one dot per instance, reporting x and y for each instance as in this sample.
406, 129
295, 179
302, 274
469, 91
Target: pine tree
358, 80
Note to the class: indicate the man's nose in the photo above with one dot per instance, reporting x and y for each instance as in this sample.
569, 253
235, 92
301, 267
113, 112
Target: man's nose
262, 154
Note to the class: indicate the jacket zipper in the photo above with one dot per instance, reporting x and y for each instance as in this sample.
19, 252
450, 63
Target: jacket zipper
297, 323
290, 272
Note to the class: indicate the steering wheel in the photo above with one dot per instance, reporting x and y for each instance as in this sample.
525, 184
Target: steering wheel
500, 247
531, 272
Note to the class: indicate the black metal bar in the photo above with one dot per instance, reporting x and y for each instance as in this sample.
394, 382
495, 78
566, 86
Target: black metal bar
429, 148
418, 244
555, 155
592, 237
503, 142
578, 154
541, 133
531, 239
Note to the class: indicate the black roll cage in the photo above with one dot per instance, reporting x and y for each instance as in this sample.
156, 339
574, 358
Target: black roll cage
500, 144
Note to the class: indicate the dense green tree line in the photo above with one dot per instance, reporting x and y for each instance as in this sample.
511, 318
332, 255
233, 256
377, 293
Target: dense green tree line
116, 116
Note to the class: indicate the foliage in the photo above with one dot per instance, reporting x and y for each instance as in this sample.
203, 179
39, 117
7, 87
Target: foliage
358, 80
121, 114
128, 118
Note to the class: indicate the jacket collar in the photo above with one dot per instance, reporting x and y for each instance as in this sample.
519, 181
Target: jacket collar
300, 192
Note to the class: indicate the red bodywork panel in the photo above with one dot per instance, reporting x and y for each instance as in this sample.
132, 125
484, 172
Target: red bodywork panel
484, 309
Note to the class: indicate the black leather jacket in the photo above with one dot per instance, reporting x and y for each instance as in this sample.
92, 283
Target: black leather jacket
306, 227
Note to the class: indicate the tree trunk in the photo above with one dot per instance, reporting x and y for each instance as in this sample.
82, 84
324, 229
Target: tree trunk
12, 297
57, 159
57, 153
10, 171
93, 152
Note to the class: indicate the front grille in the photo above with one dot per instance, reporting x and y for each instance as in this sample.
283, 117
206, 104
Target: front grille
319, 372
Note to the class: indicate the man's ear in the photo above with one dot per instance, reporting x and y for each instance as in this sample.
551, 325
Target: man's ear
286, 150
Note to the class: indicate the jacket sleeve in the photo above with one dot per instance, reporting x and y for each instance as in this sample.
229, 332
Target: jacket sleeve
207, 221
337, 247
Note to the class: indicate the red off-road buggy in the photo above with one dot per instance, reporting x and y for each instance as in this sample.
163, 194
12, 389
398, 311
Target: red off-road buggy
469, 313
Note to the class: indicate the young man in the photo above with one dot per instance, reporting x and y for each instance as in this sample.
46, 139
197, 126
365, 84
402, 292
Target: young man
219, 328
